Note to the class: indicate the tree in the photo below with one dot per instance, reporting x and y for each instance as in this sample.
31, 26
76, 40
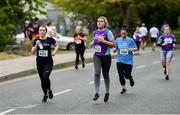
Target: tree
128, 12
13, 13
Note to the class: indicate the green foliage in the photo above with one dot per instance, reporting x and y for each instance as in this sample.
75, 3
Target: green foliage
13, 13
130, 12
177, 35
179, 22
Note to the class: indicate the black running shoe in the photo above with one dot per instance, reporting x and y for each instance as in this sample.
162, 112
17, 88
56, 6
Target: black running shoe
96, 96
123, 91
167, 77
44, 99
83, 65
164, 71
50, 94
131, 82
106, 97
76, 67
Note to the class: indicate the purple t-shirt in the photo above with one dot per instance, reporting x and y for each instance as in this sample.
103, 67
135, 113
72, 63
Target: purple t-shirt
170, 39
102, 49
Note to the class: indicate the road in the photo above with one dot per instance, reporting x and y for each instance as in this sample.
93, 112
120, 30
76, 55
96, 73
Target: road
74, 91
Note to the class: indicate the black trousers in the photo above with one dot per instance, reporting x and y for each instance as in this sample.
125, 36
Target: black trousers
44, 67
124, 71
80, 49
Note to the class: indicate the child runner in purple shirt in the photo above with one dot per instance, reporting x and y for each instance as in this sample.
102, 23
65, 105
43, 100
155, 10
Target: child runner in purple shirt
167, 42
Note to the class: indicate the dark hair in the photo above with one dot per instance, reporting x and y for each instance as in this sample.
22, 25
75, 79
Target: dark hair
49, 23
124, 27
36, 19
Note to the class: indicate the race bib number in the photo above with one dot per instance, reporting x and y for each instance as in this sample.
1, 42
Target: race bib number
78, 41
124, 51
43, 53
168, 40
97, 48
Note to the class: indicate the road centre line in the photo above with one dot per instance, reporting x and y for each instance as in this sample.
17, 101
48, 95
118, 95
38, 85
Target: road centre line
141, 66
32, 106
58, 93
155, 62
7, 111
92, 82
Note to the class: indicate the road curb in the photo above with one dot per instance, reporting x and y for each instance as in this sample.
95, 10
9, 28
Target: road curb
34, 71
57, 66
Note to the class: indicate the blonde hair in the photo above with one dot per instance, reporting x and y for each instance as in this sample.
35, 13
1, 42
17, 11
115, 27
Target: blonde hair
105, 20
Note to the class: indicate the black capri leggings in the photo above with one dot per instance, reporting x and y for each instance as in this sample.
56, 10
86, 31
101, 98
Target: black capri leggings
124, 71
44, 67
80, 49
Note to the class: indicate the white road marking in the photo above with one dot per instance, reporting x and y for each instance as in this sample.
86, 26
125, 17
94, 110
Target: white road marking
155, 62
29, 106
32, 106
92, 82
139, 67
7, 111
58, 93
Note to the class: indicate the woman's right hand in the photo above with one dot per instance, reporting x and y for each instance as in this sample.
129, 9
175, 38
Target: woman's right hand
91, 44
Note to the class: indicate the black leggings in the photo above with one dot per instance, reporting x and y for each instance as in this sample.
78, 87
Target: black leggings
80, 49
138, 44
124, 71
44, 68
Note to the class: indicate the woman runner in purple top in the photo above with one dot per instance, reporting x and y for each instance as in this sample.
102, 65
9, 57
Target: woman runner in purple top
103, 39
167, 42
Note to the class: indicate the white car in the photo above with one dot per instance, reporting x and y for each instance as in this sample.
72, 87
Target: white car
64, 42
20, 38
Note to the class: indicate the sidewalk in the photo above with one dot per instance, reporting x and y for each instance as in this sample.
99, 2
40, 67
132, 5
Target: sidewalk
19, 67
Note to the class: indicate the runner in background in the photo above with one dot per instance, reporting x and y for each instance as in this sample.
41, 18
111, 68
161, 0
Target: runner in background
167, 42
137, 37
79, 39
144, 33
154, 32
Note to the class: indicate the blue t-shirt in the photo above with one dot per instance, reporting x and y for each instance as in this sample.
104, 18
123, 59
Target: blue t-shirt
123, 55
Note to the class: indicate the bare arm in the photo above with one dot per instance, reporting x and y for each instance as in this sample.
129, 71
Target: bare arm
55, 49
34, 49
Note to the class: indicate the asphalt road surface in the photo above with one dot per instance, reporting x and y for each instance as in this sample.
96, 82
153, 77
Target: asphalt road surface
74, 91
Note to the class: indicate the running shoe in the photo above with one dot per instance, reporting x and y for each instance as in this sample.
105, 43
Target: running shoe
44, 99
123, 91
83, 65
106, 97
96, 96
167, 77
50, 94
76, 67
131, 81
